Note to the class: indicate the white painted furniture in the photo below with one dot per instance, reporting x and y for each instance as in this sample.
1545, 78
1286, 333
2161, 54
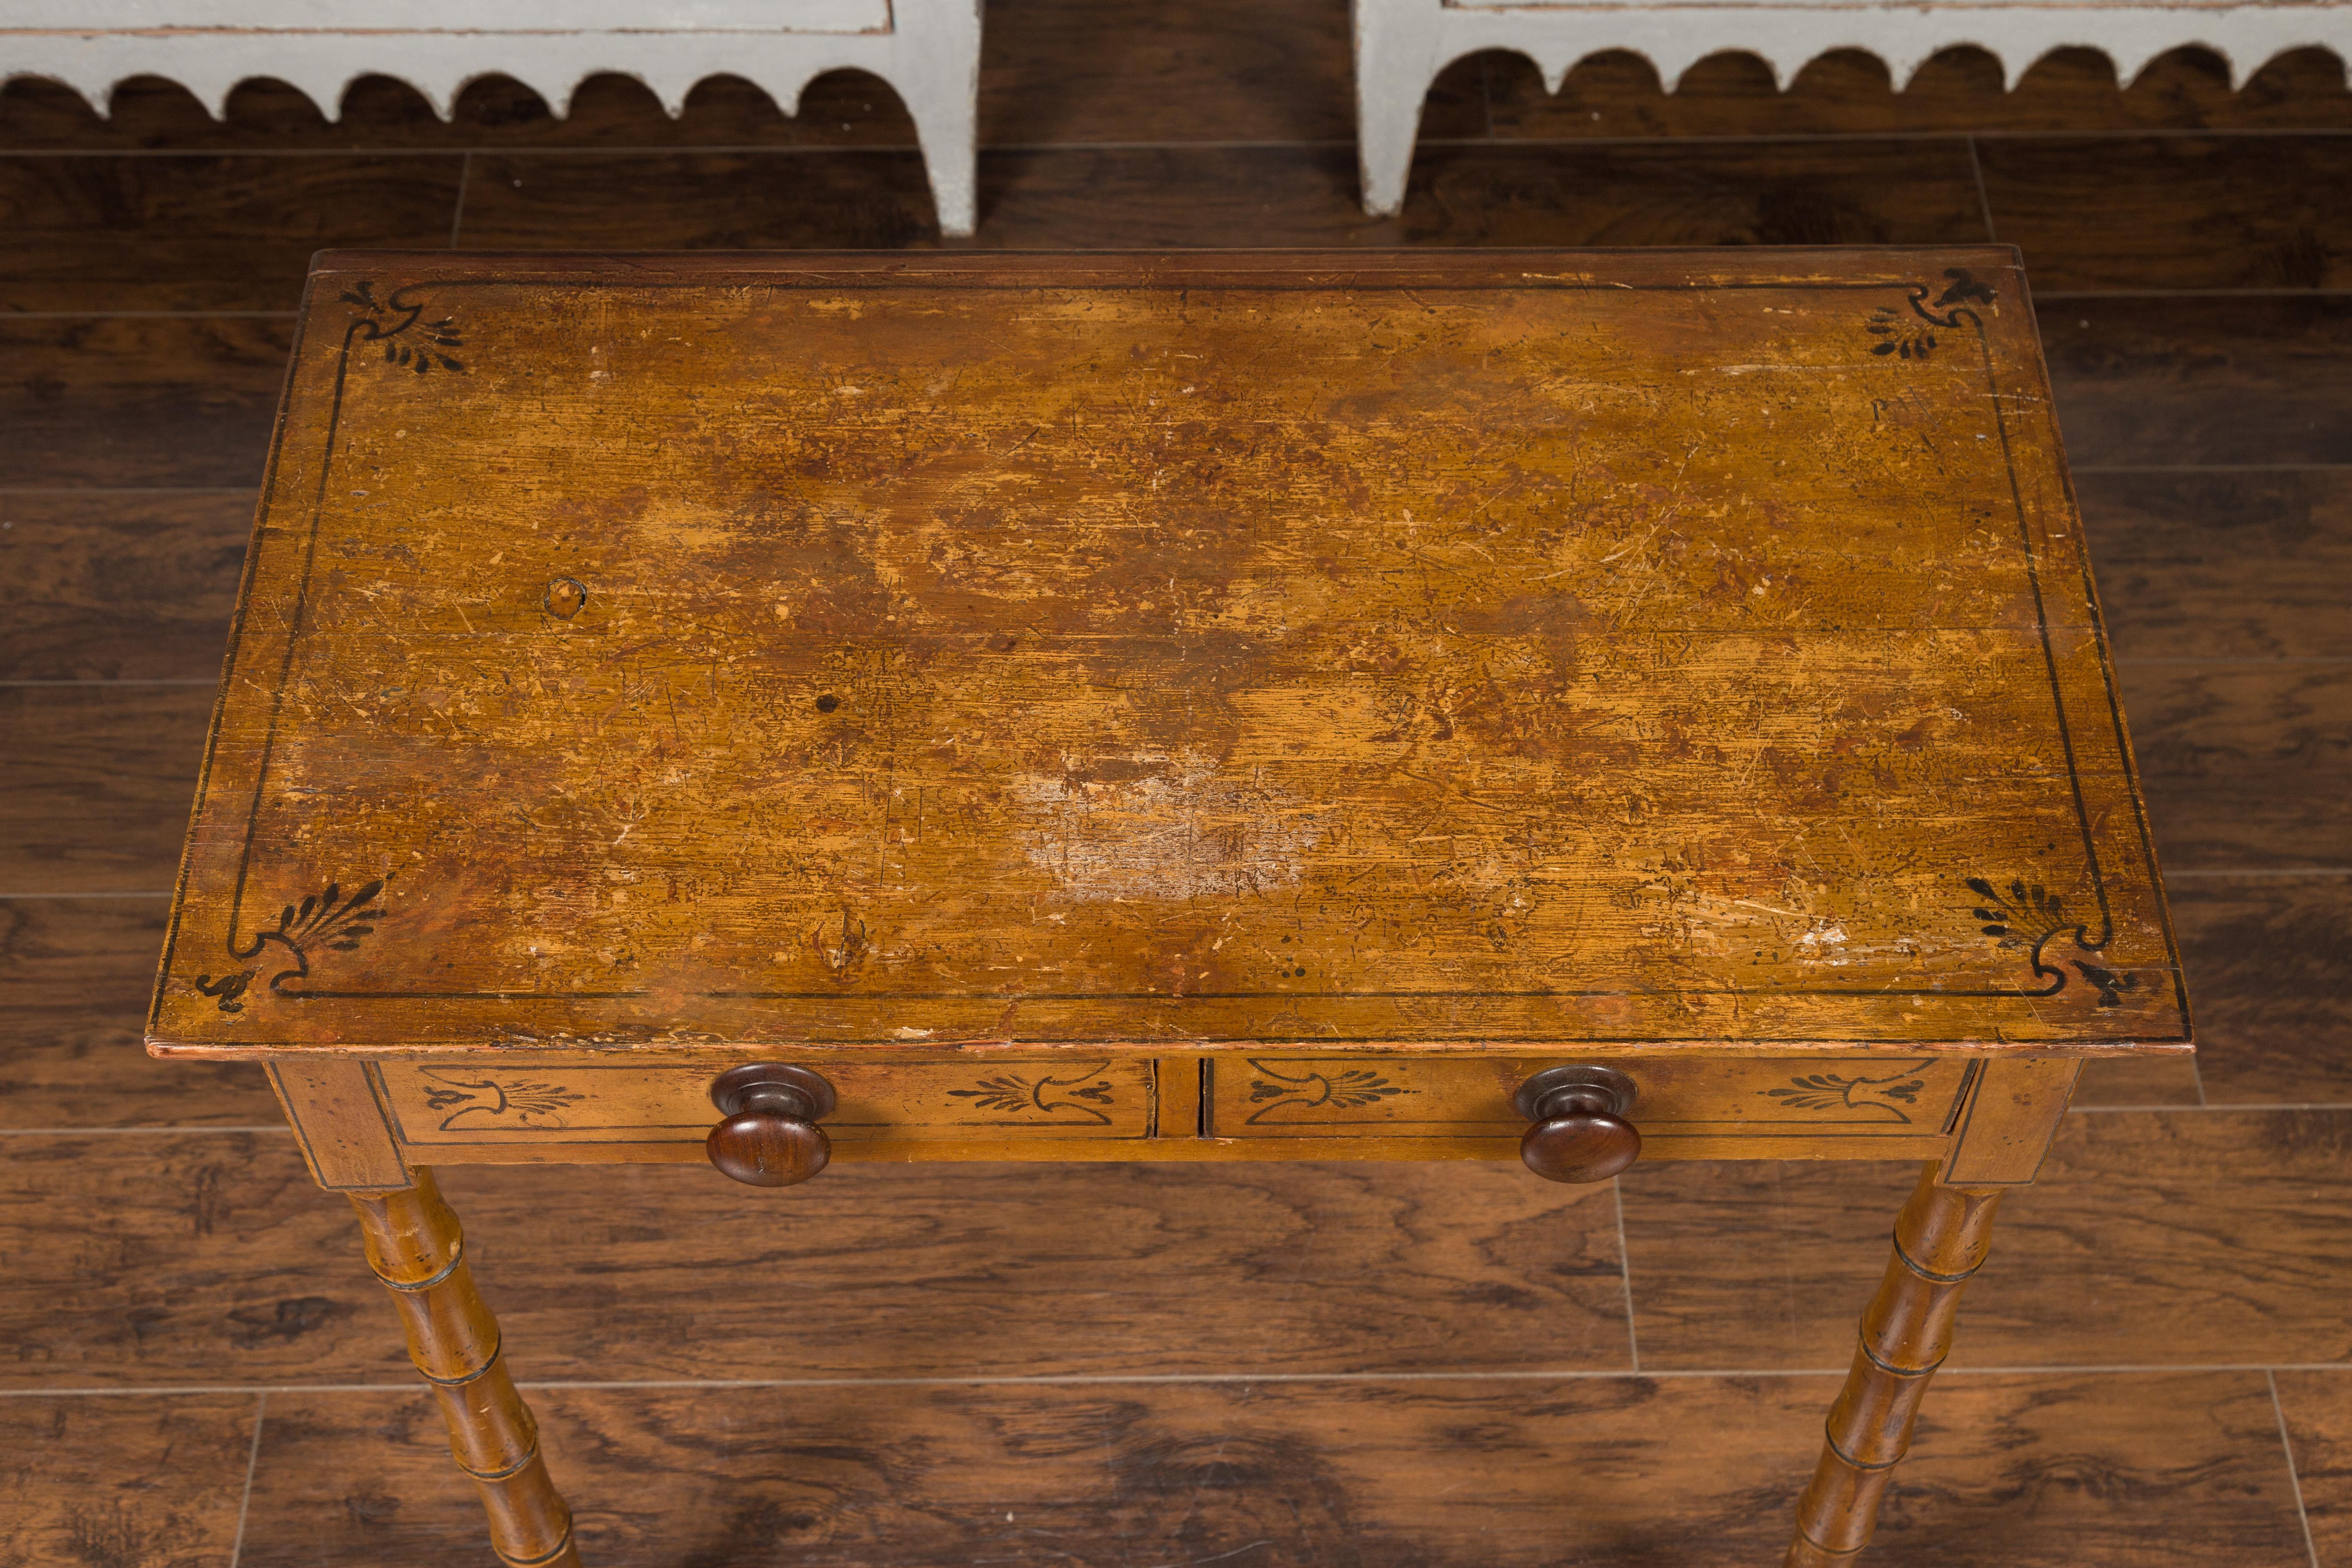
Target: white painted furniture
928, 50
1401, 45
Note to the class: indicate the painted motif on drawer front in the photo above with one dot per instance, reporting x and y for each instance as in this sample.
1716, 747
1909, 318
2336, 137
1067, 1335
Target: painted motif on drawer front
475, 1100
1442, 1097
450, 1103
1880, 1096
1299, 1095
1078, 1094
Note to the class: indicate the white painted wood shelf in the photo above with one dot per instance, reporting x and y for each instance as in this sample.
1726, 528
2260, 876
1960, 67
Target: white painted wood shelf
1401, 45
927, 50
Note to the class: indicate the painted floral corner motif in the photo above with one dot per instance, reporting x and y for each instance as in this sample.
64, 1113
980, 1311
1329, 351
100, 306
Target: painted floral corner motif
398, 323
325, 922
1913, 336
2027, 916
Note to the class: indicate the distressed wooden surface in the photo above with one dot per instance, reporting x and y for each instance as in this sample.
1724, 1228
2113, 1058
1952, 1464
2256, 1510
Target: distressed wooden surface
120, 587
2316, 1409
2245, 755
212, 1260
115, 1483
2275, 955
89, 781
2165, 1471
75, 974
139, 400
1859, 192
2252, 565
2279, 231
2279, 394
2151, 1238
204, 233
2109, 1081
862, 652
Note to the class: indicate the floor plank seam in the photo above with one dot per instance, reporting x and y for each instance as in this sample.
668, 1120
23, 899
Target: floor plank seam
457, 211
1984, 196
252, 1463
1626, 1271
2293, 1477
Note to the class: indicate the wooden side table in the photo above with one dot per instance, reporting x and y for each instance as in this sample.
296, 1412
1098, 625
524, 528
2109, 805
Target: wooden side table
1221, 707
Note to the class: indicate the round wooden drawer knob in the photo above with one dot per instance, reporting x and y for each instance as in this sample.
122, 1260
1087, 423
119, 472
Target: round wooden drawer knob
1580, 1134
770, 1137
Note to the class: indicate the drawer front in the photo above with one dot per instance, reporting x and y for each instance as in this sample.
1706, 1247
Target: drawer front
457, 1104
1389, 1098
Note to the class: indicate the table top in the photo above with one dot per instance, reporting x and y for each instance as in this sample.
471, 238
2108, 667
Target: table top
1665, 650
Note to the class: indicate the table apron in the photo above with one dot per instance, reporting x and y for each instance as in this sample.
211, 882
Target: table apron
364, 1124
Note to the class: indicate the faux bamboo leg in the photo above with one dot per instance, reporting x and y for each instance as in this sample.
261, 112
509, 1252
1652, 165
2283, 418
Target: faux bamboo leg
1940, 1238
416, 1249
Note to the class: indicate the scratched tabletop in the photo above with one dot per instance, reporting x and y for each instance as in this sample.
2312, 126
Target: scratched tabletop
1671, 650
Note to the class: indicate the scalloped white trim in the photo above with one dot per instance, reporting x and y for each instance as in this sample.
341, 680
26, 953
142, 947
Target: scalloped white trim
1401, 45
930, 55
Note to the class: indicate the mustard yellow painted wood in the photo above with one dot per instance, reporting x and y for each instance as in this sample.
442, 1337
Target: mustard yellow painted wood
895, 654
451, 1111
347, 1139
1190, 708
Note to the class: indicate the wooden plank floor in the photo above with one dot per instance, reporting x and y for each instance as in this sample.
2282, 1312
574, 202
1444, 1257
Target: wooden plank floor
1371, 1366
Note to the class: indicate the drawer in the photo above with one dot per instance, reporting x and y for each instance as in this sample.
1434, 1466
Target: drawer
1899, 1098
462, 1104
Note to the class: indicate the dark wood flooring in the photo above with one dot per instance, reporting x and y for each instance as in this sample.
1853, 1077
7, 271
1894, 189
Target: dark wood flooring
1273, 1367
